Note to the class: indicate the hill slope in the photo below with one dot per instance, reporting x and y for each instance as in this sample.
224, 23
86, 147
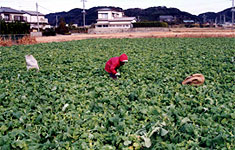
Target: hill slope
211, 16
152, 14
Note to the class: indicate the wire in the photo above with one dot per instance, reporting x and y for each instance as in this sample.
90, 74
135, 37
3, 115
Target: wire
46, 9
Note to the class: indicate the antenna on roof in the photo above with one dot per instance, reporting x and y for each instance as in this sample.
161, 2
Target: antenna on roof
84, 13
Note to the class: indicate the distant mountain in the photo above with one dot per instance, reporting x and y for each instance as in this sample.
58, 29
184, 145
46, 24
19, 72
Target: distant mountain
153, 13
220, 16
75, 16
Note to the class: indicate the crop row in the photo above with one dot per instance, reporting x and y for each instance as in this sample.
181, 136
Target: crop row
71, 103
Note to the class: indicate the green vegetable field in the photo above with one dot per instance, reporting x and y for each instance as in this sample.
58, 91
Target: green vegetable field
73, 104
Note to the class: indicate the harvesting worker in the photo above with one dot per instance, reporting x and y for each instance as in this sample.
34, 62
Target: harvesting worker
114, 63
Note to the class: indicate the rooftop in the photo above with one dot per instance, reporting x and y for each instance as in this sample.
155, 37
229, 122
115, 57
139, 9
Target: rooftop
109, 9
32, 13
9, 10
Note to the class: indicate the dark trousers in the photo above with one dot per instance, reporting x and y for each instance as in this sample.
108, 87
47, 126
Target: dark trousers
113, 76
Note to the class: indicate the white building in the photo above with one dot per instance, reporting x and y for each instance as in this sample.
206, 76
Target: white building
9, 15
110, 18
30, 17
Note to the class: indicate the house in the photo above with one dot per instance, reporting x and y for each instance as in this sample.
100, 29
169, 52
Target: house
167, 18
111, 18
32, 19
188, 21
9, 15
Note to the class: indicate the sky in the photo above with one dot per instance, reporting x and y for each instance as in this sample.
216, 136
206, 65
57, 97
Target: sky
51, 6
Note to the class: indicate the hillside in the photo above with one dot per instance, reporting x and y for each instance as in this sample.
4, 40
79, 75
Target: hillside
211, 16
75, 16
152, 14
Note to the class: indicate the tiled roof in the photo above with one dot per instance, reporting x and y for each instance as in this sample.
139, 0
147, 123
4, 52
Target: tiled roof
9, 10
109, 9
32, 13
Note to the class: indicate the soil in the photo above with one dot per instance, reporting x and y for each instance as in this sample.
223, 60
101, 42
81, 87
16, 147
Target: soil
173, 33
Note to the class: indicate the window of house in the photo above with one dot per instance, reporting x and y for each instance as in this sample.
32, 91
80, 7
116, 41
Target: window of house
105, 26
17, 18
25, 19
104, 16
7, 17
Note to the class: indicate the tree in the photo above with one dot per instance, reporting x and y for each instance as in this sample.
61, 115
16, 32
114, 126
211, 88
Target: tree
62, 29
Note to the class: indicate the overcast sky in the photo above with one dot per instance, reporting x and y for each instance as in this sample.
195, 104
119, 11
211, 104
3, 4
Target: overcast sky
50, 6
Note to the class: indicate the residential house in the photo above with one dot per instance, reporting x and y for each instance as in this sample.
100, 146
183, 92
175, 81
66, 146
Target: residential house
32, 18
167, 18
111, 18
11, 15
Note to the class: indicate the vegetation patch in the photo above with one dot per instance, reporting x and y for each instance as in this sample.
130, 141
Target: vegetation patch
72, 103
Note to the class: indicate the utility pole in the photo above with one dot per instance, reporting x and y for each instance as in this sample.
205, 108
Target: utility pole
84, 13
37, 16
220, 19
56, 20
204, 18
233, 12
224, 19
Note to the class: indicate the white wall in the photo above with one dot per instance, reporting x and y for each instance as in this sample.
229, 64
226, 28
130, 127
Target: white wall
107, 23
110, 14
11, 16
33, 19
27, 16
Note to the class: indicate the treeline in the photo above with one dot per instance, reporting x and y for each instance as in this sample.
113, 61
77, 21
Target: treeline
14, 27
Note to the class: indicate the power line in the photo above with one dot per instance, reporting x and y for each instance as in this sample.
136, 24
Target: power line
56, 17
46, 9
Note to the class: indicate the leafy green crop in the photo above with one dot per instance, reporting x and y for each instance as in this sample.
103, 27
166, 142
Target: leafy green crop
71, 103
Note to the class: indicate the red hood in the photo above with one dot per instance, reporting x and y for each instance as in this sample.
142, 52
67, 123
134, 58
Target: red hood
123, 57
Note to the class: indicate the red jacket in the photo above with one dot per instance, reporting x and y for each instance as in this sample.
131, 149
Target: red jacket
114, 63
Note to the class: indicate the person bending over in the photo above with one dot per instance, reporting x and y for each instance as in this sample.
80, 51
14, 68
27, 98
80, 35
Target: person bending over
114, 63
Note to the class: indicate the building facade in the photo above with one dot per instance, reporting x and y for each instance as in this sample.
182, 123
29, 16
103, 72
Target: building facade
32, 16
110, 18
10, 15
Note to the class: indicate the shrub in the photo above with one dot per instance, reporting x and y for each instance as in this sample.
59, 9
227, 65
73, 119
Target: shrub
49, 32
62, 29
26, 40
150, 24
7, 42
14, 27
80, 30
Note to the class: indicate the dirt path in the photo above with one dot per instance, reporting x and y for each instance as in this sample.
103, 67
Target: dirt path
179, 33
